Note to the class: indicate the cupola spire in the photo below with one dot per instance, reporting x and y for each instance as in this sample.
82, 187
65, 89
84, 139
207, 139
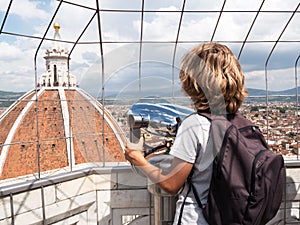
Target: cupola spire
57, 71
56, 28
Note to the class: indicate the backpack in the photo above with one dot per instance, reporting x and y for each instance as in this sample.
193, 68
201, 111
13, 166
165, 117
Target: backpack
247, 180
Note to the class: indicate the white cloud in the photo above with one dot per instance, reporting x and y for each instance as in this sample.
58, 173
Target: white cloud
9, 52
17, 66
25, 9
160, 26
277, 80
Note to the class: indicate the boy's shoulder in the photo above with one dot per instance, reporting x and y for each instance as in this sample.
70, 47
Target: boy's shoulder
195, 118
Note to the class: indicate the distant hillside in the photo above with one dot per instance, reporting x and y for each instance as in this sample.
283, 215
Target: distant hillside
258, 95
252, 92
260, 92
8, 97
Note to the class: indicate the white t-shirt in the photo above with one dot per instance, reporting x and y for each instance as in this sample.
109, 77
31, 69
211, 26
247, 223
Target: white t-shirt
192, 137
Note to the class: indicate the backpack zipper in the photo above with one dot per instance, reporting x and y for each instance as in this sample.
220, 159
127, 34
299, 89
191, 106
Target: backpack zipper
247, 128
222, 151
252, 187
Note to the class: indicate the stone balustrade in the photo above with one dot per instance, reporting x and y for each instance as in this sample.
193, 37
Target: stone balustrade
93, 194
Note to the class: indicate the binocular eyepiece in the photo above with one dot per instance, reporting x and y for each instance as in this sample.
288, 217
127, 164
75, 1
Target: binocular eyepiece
138, 121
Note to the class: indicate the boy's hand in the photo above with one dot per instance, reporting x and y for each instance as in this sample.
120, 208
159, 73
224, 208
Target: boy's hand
134, 152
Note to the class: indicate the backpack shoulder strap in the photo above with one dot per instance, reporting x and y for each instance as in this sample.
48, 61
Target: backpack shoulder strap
192, 188
239, 120
236, 119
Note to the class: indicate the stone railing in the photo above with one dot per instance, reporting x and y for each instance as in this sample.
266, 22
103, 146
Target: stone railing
103, 195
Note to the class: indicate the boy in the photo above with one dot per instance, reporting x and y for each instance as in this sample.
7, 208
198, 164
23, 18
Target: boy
212, 77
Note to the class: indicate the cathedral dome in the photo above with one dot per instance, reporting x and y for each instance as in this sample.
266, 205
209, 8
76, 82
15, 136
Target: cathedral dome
57, 125
63, 128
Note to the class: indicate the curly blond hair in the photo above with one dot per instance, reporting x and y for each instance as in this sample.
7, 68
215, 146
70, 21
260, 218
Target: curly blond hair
212, 77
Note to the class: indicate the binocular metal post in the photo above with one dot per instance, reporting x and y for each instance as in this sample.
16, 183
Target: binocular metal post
164, 203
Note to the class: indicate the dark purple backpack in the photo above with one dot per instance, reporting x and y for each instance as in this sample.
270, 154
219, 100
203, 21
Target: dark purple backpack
248, 179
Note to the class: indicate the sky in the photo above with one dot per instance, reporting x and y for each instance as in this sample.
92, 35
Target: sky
121, 33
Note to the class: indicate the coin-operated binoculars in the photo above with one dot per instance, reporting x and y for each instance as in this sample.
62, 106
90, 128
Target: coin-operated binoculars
136, 122
164, 203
